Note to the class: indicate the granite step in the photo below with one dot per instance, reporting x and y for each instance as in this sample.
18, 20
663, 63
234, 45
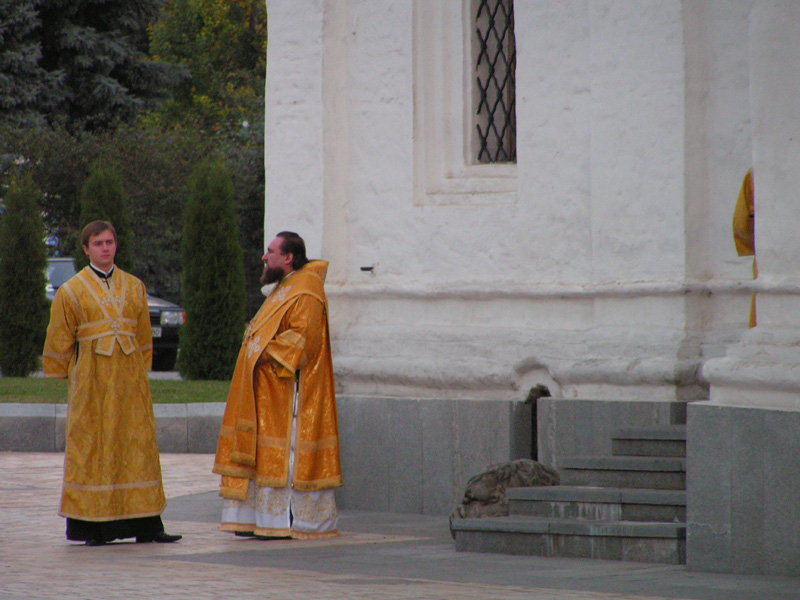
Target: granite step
598, 503
669, 440
659, 473
574, 538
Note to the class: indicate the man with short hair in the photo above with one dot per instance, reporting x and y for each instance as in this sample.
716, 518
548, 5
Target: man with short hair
278, 449
99, 337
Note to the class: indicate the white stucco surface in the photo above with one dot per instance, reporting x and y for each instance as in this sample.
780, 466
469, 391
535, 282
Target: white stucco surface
764, 368
601, 264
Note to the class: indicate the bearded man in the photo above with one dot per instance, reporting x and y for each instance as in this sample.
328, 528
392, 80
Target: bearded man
278, 448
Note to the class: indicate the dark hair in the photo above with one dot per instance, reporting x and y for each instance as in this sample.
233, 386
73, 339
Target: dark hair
96, 228
293, 244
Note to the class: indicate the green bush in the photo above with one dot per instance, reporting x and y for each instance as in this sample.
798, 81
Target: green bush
23, 259
102, 199
213, 278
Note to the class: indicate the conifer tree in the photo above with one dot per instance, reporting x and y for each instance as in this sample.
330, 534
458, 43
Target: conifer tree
103, 199
23, 260
23, 81
98, 49
81, 61
213, 278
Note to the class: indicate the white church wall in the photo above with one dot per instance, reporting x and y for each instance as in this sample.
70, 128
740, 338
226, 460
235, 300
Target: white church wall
720, 151
553, 141
600, 264
742, 481
294, 134
636, 86
585, 267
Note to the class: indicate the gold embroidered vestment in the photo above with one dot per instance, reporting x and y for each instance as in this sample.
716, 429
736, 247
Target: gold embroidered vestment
99, 337
288, 335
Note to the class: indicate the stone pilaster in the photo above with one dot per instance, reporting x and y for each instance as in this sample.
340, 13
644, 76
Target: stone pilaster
743, 478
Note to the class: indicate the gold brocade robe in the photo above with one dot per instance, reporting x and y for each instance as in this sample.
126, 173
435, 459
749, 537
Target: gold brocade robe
289, 334
744, 230
100, 339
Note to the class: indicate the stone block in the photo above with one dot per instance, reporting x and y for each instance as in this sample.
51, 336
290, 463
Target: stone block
27, 427
405, 453
747, 460
781, 503
440, 490
203, 425
61, 427
708, 488
504, 543
363, 431
586, 427
483, 432
171, 429
665, 551
417, 455
743, 490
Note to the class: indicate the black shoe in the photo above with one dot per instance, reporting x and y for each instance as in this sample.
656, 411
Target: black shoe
244, 534
95, 542
160, 538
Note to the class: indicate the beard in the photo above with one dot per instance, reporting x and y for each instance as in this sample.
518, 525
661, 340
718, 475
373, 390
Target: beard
271, 276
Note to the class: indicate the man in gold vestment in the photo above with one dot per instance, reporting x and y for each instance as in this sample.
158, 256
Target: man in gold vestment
99, 338
278, 449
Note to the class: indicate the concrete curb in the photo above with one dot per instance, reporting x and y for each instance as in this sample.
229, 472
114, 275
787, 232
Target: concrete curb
397, 455
180, 428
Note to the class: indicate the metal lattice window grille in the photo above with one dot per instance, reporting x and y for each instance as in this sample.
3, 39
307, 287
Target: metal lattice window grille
494, 73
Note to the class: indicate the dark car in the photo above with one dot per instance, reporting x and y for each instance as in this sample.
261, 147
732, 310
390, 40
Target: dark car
166, 318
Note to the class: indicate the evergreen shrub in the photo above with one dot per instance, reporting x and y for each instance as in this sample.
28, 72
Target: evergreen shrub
213, 277
23, 260
102, 199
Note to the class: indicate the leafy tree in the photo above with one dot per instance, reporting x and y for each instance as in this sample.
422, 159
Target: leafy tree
102, 199
222, 44
23, 81
213, 278
23, 259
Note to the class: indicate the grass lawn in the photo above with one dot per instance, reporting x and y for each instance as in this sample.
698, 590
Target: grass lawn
38, 390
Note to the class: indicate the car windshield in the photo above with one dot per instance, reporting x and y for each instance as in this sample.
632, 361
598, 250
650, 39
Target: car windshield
59, 272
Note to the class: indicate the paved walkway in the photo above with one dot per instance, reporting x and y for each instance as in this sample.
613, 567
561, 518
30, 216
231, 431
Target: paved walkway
378, 556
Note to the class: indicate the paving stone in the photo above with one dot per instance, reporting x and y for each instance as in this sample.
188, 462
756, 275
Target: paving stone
378, 556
